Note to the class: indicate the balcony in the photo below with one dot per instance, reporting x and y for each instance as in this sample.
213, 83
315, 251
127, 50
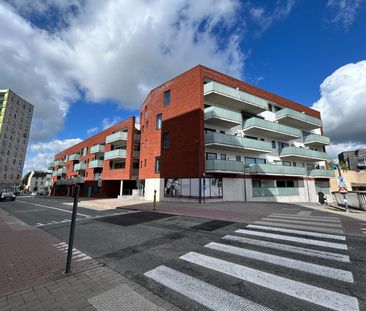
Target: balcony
256, 126
222, 117
116, 137
51, 165
73, 181
234, 98
271, 169
54, 173
74, 157
302, 154
314, 140
264, 192
224, 141
97, 149
61, 171
115, 154
297, 119
218, 166
79, 166
58, 162
96, 163
321, 173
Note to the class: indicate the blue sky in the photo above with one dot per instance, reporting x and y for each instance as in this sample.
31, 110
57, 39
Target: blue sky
69, 57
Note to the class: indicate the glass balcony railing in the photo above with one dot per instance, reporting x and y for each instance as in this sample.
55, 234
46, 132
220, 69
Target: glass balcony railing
228, 95
316, 140
264, 192
321, 173
58, 162
224, 166
97, 149
302, 153
223, 117
79, 166
119, 136
237, 142
256, 125
297, 119
74, 157
115, 154
54, 173
271, 169
61, 171
96, 163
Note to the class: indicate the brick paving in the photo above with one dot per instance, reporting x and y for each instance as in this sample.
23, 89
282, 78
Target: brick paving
30, 256
80, 290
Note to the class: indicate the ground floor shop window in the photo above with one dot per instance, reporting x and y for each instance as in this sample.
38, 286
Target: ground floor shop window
189, 187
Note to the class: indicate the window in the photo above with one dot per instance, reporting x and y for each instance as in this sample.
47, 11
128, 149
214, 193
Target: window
286, 183
270, 107
211, 156
223, 156
157, 164
250, 160
207, 130
167, 98
147, 123
159, 120
282, 145
222, 132
273, 144
238, 158
145, 163
166, 138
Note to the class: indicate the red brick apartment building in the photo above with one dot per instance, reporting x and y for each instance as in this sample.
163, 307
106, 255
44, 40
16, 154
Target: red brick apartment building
208, 135
104, 165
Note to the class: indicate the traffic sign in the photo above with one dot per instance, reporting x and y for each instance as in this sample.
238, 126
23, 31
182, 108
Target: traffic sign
343, 190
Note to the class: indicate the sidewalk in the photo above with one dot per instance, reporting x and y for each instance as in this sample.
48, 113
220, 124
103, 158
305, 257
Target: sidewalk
32, 264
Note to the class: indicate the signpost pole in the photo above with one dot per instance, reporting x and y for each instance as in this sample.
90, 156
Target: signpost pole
342, 186
72, 229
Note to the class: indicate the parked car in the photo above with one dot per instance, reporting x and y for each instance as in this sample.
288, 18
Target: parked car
7, 195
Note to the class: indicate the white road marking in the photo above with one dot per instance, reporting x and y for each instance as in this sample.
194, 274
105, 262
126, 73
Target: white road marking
210, 296
310, 233
290, 248
292, 226
54, 208
310, 293
305, 218
304, 213
333, 273
293, 239
308, 217
301, 222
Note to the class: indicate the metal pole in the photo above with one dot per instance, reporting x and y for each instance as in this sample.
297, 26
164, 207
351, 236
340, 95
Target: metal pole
199, 174
344, 196
245, 184
154, 204
72, 229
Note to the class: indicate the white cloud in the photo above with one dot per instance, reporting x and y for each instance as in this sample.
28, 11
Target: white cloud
107, 122
41, 154
92, 130
343, 11
119, 52
264, 18
343, 107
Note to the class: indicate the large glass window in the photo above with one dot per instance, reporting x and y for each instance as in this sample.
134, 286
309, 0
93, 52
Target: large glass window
159, 121
211, 156
167, 98
166, 138
250, 160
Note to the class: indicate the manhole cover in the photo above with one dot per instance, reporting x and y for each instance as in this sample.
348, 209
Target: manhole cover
133, 218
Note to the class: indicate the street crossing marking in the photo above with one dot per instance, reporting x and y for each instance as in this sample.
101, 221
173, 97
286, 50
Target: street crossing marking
309, 217
290, 248
290, 221
204, 293
305, 218
301, 227
333, 273
293, 239
310, 233
76, 254
310, 293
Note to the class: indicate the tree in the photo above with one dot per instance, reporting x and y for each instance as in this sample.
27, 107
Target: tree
330, 164
343, 166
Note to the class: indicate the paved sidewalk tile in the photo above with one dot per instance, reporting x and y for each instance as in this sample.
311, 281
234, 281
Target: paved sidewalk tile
31, 256
98, 288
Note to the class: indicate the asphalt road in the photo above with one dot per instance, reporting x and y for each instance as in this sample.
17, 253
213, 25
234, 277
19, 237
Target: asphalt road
197, 264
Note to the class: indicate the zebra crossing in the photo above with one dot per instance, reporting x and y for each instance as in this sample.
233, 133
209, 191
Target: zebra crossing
76, 254
274, 254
